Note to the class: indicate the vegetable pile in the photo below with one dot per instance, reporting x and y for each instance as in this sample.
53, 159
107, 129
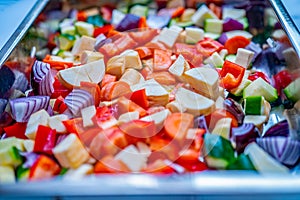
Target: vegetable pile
152, 87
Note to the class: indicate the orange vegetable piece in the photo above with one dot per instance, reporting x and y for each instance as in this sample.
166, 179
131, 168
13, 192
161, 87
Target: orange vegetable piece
177, 125
110, 165
164, 78
114, 90
232, 44
162, 60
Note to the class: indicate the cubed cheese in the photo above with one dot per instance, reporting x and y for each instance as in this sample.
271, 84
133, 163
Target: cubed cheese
87, 115
83, 44
55, 122
244, 57
38, 118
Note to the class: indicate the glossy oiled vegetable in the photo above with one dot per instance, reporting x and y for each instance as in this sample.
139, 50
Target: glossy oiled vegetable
152, 90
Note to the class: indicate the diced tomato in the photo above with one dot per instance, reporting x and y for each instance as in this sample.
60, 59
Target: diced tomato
102, 30
43, 168
162, 60
125, 105
139, 128
208, 46
231, 75
110, 165
163, 78
108, 78
59, 105
93, 89
218, 114
139, 97
16, 130
232, 44
177, 125
45, 140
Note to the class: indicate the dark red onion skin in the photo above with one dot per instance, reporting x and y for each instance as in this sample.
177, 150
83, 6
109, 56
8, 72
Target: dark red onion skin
235, 108
243, 135
279, 129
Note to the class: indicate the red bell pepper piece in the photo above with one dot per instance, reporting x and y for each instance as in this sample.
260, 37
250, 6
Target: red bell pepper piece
257, 74
139, 97
102, 30
16, 130
81, 16
208, 46
74, 125
231, 75
43, 168
59, 105
59, 89
282, 79
45, 140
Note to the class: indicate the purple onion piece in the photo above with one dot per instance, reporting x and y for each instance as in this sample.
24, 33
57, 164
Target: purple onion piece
22, 108
200, 122
43, 78
3, 103
255, 48
243, 135
129, 22
30, 158
158, 22
283, 149
7, 79
21, 82
235, 108
77, 100
230, 24
223, 38
279, 129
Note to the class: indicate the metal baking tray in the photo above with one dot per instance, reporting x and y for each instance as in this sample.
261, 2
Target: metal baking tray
16, 17
205, 185
289, 16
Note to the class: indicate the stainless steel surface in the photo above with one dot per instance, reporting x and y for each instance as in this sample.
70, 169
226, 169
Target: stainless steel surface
16, 17
209, 185
285, 10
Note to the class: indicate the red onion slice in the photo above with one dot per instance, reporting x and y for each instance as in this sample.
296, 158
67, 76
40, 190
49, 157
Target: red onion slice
43, 78
77, 100
22, 108
283, 149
